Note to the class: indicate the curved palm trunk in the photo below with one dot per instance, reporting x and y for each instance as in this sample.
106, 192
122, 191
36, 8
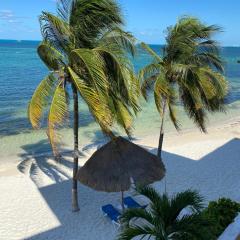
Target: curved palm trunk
160, 143
75, 206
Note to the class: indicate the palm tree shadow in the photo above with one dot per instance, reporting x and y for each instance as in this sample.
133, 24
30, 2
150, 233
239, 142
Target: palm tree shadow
38, 159
97, 140
214, 175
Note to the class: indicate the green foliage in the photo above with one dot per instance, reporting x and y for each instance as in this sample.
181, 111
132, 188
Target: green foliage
85, 46
161, 218
40, 100
221, 213
190, 71
58, 113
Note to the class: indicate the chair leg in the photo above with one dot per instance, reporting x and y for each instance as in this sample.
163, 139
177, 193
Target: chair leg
104, 214
116, 224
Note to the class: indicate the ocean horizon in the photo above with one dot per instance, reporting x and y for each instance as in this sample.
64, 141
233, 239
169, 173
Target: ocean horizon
22, 70
38, 41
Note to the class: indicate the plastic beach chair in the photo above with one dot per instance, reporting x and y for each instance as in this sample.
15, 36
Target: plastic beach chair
110, 211
129, 202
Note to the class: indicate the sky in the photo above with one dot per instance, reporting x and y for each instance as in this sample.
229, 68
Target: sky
146, 19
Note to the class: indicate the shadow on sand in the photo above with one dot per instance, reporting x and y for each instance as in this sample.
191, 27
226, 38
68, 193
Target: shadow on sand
38, 158
214, 175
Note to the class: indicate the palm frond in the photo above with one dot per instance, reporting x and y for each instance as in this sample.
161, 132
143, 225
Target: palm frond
131, 214
58, 113
217, 101
205, 85
162, 91
57, 32
159, 205
195, 91
40, 100
209, 45
101, 15
207, 32
53, 59
123, 116
147, 85
89, 65
134, 90
150, 70
194, 108
185, 199
190, 38
120, 76
173, 117
151, 52
208, 59
120, 39
217, 80
64, 8
96, 102
148, 76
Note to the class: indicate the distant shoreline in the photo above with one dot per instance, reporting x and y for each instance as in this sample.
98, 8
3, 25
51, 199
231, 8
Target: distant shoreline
232, 125
153, 44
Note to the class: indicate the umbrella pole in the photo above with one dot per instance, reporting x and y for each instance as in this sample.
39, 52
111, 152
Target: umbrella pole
122, 196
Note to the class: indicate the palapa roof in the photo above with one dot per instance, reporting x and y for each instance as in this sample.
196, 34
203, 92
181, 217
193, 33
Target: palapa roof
112, 166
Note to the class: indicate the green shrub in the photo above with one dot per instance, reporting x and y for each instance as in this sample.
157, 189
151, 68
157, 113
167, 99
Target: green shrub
221, 213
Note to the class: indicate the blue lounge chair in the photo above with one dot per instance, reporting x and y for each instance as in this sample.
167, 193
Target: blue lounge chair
110, 211
129, 202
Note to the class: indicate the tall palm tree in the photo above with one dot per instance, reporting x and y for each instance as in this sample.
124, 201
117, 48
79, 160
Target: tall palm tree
162, 220
189, 70
84, 47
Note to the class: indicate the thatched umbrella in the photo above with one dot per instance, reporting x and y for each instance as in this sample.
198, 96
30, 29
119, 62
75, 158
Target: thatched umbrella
112, 166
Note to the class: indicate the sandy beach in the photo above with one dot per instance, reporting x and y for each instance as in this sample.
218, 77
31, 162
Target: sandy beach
35, 200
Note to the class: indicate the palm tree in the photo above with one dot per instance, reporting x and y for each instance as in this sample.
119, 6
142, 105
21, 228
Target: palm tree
190, 65
84, 47
162, 220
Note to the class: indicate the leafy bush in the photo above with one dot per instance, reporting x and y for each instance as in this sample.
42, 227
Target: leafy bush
221, 213
160, 220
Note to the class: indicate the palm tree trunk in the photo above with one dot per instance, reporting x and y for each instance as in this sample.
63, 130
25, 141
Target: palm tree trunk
160, 143
75, 206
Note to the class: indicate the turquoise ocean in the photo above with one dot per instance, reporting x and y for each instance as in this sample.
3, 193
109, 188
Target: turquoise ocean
21, 70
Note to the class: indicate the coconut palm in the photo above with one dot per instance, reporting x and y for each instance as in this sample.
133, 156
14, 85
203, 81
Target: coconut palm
84, 47
162, 220
189, 70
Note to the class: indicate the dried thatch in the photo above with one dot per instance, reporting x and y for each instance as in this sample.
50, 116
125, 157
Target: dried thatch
112, 166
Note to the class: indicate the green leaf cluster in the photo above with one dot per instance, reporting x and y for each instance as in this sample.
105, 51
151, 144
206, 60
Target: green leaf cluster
162, 220
85, 46
190, 71
222, 213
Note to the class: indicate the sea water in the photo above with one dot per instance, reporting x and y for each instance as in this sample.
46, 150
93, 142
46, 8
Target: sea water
21, 71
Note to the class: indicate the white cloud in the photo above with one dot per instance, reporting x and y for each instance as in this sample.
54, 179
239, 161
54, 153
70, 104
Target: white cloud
149, 32
10, 17
6, 14
17, 23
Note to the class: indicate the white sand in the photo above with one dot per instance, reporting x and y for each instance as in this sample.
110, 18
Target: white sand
36, 203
